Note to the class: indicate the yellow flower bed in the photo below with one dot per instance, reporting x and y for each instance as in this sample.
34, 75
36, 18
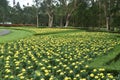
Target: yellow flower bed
55, 57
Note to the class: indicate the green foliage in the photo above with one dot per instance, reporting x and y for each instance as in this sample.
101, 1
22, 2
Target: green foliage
3, 10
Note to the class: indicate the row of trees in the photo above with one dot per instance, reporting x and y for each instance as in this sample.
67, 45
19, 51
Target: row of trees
64, 13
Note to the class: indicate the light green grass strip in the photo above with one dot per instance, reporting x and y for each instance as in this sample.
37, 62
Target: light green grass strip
15, 35
101, 61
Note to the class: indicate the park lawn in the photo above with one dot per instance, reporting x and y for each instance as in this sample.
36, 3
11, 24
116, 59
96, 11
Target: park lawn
15, 35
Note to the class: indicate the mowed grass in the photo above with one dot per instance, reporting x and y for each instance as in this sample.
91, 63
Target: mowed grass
110, 62
15, 35
57, 54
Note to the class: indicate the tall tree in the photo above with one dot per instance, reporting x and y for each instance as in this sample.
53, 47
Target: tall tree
17, 13
69, 6
107, 12
49, 6
3, 10
81, 15
37, 4
29, 15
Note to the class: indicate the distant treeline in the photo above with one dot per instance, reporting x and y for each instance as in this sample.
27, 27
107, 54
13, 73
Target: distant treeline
64, 13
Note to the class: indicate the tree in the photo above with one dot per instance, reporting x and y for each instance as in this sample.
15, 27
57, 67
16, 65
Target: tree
69, 6
29, 15
37, 3
3, 10
115, 14
16, 14
49, 6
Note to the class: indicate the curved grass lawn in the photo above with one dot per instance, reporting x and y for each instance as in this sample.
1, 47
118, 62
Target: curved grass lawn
15, 35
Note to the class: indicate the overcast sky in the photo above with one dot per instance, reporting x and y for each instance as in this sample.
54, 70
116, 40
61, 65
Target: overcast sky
22, 2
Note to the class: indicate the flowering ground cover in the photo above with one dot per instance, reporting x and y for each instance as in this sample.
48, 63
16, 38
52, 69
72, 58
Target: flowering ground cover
62, 56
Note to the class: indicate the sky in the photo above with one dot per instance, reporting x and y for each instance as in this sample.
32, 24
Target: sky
22, 2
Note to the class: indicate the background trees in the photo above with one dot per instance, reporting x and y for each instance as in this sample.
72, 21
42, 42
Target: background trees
63, 13
3, 10
49, 6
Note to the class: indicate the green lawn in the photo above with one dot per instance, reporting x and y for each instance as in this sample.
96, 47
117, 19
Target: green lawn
15, 35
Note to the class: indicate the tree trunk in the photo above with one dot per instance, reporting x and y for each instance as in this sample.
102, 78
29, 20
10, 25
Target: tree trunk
69, 13
67, 20
3, 19
61, 22
99, 3
50, 23
107, 17
107, 23
37, 21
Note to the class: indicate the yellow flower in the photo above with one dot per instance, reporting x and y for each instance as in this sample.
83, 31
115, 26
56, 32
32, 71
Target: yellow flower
71, 71
94, 70
96, 77
83, 71
37, 73
76, 66
7, 70
43, 68
101, 69
101, 74
59, 70
111, 76
23, 70
22, 77
83, 79
73, 64
17, 68
92, 75
11, 77
61, 73
6, 76
46, 74
67, 78
86, 66
74, 78
55, 67
77, 75
51, 78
